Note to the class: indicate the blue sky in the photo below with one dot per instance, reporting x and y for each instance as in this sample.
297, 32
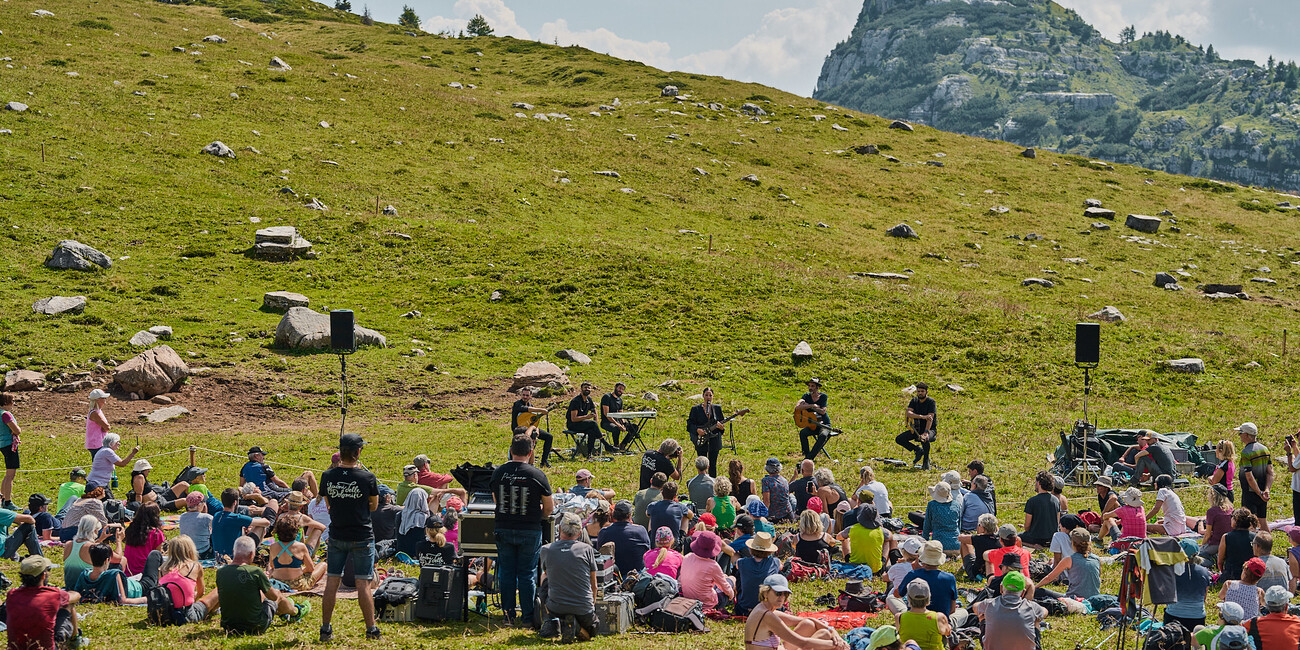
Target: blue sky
782, 43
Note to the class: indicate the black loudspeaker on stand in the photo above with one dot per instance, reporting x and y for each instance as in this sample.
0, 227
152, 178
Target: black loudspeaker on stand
1087, 355
343, 341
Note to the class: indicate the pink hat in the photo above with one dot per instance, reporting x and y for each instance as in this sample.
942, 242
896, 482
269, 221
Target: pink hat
584, 474
815, 505
336, 458
706, 544
1294, 534
193, 500
455, 504
664, 534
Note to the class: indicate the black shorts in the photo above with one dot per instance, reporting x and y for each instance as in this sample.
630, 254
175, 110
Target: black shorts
11, 457
1257, 506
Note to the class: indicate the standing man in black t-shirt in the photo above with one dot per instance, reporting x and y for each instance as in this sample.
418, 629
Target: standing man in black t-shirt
613, 403
525, 405
814, 401
582, 419
523, 500
667, 459
705, 426
351, 493
923, 426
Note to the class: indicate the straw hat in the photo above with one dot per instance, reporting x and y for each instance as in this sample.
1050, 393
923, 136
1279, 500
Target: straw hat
941, 492
762, 541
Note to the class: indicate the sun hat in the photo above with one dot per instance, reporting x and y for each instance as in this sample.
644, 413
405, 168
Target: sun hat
932, 553
1190, 547
1012, 561
1006, 531
1013, 581
296, 499
815, 380
98, 393
761, 541
584, 474
868, 517
952, 478
1133, 497
1104, 481
912, 546
756, 508
941, 492
777, 582
664, 534
918, 592
142, 465
255, 450
1232, 637
885, 635
708, 519
1255, 566
1231, 612
34, 565
1277, 595
706, 544
1247, 428
815, 505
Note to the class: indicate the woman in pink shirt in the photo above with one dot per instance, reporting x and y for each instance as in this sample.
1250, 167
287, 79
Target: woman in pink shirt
96, 424
663, 559
1132, 517
701, 577
143, 535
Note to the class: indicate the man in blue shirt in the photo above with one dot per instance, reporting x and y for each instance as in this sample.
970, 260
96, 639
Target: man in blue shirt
228, 525
260, 474
669, 512
943, 585
630, 540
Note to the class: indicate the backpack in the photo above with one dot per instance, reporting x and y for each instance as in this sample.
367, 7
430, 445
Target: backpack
1172, 636
395, 592
653, 589
1038, 569
675, 615
871, 603
186, 475
385, 549
799, 571
1053, 606
161, 607
116, 512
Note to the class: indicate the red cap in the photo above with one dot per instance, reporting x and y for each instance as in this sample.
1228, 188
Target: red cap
709, 519
1255, 566
815, 505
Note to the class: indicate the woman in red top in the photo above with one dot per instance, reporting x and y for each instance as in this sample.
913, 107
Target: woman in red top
143, 535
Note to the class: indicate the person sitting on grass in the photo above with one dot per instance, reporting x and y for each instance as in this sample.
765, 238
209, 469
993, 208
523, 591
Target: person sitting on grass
996, 558
32, 529
927, 628
722, 504
630, 540
76, 552
143, 535
260, 474
813, 541
248, 601
775, 492
769, 626
1042, 512
291, 560
910, 549
976, 503
196, 524
702, 578
1230, 614
865, 542
663, 559
38, 615
72, 489
1132, 516
1174, 520
182, 575
1011, 620
942, 592
435, 550
1246, 591
310, 530
100, 584
144, 492
752, 570
199, 482
1277, 628
943, 518
91, 503
1237, 546
670, 512
410, 529
975, 547
228, 525
1217, 523
885, 637
1081, 566
1190, 588
583, 488
1276, 571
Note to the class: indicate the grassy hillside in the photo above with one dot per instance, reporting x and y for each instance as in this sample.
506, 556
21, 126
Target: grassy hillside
620, 269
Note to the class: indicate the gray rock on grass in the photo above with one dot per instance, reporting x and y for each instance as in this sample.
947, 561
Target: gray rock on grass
16, 107
304, 329
801, 352
1108, 314
213, 38
1163, 279
76, 256
161, 331
59, 305
219, 149
390, 211
152, 372
901, 126
574, 356
20, 380
165, 413
278, 64
1046, 284
752, 109
668, 91
280, 242
1092, 203
1099, 213
538, 374
143, 339
1029, 153
282, 301
1143, 223
1189, 365
903, 231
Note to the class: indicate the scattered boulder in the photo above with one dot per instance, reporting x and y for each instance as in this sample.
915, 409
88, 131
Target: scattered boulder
1221, 288
903, 231
1143, 223
19, 380
161, 331
59, 305
750, 178
1163, 279
1029, 153
574, 356
668, 91
522, 106
304, 329
1173, 286
1219, 295
1252, 364
1033, 236
1193, 366
954, 388
752, 109
282, 301
887, 276
162, 400
143, 339
802, 352
315, 204
76, 256
390, 211
650, 397
1263, 280
611, 174
278, 243
74, 386
166, 413
1108, 314
699, 172
1099, 213
16, 107
538, 374
278, 64
219, 149
837, 127
866, 150
152, 372
901, 125
1092, 203
213, 39
999, 209
496, 295
1097, 225
1046, 284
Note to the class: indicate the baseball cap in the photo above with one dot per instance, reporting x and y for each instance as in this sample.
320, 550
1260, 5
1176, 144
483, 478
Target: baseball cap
255, 450
1233, 637
584, 474
91, 486
777, 582
79, 472
410, 470
884, 635
1277, 595
199, 471
918, 591
98, 393
35, 501
708, 519
815, 380
193, 499
1231, 612
623, 509
434, 521
1013, 581
34, 565
1256, 566
912, 546
1006, 531
351, 442
1247, 428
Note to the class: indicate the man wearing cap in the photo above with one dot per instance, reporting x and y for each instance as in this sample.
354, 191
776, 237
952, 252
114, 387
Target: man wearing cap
260, 474
438, 485
1011, 621
409, 475
1149, 456
352, 494
1230, 614
814, 401
943, 585
700, 487
886, 637
522, 494
1011, 547
584, 477
31, 534
72, 489
581, 418
1255, 473
569, 569
630, 540
1277, 628
928, 627
923, 423
40, 616
1234, 637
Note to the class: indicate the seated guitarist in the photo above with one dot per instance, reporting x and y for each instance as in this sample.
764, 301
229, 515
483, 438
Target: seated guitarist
923, 422
814, 401
613, 403
582, 419
525, 405
705, 428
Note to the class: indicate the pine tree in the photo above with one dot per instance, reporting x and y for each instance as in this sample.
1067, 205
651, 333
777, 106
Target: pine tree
408, 19
366, 18
343, 5
478, 26
1210, 55
1127, 35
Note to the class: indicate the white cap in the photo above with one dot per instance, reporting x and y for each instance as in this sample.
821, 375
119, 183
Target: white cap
1247, 428
98, 393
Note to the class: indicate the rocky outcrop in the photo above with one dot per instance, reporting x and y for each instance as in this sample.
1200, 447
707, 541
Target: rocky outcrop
539, 374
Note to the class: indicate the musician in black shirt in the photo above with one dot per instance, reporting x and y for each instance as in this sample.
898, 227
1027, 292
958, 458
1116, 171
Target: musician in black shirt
705, 428
525, 405
613, 403
923, 421
582, 419
815, 401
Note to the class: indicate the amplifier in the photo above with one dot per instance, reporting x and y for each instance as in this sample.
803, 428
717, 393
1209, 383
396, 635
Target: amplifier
606, 573
481, 501
478, 534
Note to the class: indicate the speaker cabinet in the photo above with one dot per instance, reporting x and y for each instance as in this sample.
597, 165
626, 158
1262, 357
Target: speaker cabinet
1087, 343
343, 331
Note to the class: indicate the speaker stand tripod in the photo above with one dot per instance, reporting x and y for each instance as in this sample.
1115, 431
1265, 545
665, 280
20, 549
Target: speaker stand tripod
1086, 468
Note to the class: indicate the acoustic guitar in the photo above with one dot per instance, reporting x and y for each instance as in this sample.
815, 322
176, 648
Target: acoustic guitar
806, 419
528, 419
712, 431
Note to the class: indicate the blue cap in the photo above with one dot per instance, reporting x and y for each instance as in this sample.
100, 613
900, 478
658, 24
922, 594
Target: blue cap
777, 582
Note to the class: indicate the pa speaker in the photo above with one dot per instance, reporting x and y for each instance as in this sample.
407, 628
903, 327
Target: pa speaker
1087, 343
342, 331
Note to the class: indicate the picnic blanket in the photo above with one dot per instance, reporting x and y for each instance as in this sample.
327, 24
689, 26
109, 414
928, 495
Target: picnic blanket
171, 522
845, 620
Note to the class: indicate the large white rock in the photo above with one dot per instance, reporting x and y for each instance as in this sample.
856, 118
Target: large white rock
304, 329
74, 255
152, 372
802, 352
219, 149
538, 374
166, 413
58, 305
1143, 223
574, 356
143, 339
16, 380
278, 64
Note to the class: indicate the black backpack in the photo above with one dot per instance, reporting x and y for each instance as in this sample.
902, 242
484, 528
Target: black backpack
395, 592
675, 615
116, 513
651, 589
1172, 636
162, 608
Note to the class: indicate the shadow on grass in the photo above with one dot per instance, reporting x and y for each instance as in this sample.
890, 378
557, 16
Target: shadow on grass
457, 630
241, 642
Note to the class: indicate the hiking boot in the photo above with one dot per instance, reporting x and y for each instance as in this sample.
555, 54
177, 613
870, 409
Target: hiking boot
568, 629
373, 633
326, 633
550, 629
302, 609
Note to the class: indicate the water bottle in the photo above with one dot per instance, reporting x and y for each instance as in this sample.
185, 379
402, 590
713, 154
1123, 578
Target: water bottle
113, 482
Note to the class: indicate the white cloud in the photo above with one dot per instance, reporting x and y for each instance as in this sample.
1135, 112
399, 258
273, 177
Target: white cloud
498, 15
